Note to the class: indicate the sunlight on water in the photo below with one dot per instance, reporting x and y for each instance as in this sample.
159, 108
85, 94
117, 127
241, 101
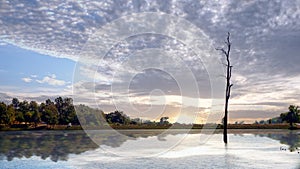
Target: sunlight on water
245, 150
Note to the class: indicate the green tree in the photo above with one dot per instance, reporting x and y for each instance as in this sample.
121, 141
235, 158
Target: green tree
70, 114
24, 108
19, 116
7, 115
292, 116
90, 117
59, 103
66, 111
117, 117
35, 114
49, 113
3, 113
16, 103
11, 114
164, 120
28, 117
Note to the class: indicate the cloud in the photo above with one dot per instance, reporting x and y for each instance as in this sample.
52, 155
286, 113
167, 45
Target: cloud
39, 94
265, 50
3, 43
51, 80
33, 76
43, 26
27, 79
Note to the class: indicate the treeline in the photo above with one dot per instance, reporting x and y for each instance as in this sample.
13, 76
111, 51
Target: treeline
90, 117
61, 111
291, 117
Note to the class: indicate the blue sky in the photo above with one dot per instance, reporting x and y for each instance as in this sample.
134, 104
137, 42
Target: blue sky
24, 71
20, 63
42, 41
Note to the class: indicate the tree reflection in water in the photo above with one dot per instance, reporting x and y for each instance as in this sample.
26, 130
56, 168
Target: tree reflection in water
57, 145
291, 139
54, 144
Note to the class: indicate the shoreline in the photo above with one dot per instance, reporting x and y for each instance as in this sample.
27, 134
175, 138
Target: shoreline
151, 127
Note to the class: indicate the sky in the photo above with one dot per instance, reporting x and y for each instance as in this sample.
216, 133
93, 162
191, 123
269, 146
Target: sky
153, 58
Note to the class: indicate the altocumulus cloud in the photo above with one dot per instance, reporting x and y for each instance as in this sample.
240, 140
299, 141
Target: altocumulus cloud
266, 39
51, 80
27, 79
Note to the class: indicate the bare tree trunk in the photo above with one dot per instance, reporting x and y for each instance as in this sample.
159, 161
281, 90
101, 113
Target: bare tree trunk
228, 84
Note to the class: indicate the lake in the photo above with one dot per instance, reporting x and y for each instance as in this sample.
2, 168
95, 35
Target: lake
149, 149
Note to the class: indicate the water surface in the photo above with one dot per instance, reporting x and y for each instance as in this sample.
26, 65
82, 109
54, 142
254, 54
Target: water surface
149, 149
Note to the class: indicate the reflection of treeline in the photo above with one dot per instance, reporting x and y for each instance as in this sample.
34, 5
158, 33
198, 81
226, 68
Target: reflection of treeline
57, 145
53, 145
292, 139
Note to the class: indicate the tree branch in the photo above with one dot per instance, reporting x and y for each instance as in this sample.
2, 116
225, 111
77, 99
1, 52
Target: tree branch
228, 83
222, 50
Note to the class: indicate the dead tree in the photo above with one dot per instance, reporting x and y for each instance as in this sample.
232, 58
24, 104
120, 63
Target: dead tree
228, 65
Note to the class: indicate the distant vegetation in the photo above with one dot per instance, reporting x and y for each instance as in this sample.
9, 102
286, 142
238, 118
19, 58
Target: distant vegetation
24, 114
60, 113
291, 117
